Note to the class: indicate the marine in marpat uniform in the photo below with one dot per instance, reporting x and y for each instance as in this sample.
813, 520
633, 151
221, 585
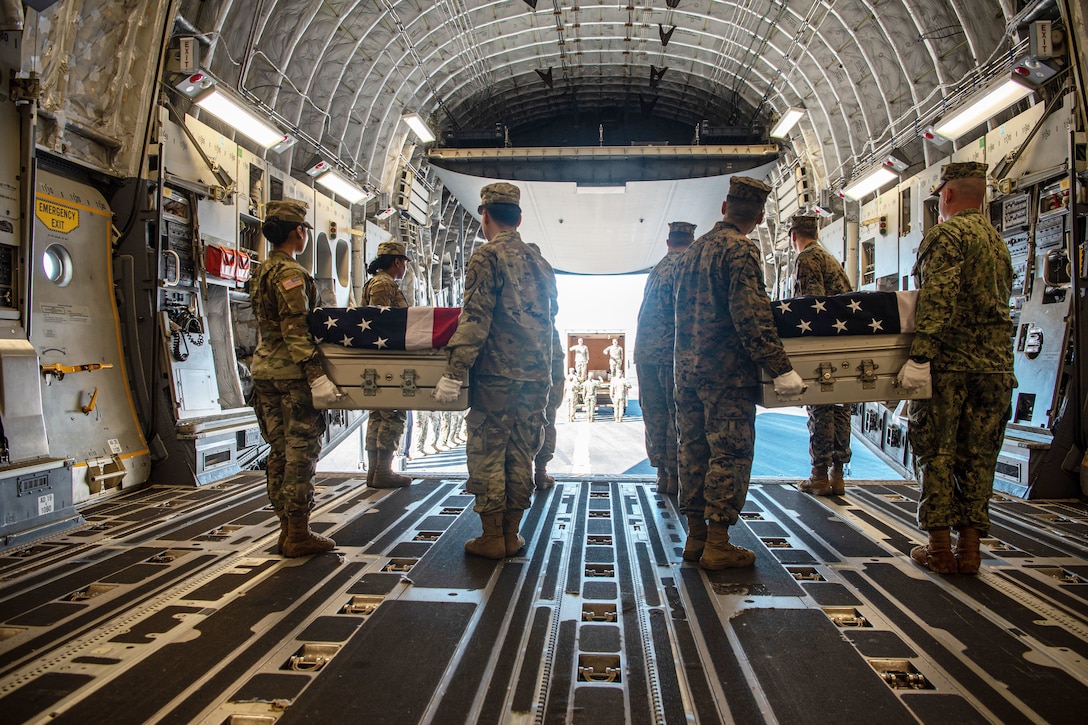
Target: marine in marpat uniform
384, 428
504, 334
288, 378
963, 346
653, 359
724, 332
581, 359
818, 273
615, 358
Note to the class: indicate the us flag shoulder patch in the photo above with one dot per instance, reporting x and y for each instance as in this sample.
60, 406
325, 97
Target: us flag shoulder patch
291, 283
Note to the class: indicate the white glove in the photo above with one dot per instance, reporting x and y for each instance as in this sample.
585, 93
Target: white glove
324, 392
789, 386
447, 389
914, 375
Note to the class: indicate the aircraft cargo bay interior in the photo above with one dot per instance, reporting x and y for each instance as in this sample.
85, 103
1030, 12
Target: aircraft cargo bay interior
550, 361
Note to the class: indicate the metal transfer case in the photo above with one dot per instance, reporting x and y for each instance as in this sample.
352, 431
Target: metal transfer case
391, 380
853, 369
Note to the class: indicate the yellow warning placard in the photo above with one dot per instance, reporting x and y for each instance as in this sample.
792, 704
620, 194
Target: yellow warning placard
57, 217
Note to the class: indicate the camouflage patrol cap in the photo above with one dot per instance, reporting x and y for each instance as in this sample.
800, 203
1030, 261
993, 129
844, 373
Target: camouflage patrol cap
960, 170
803, 224
287, 210
392, 249
500, 193
745, 188
681, 229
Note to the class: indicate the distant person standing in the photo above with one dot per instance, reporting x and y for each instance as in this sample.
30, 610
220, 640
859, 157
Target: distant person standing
818, 273
589, 396
653, 359
963, 347
724, 332
617, 390
288, 378
384, 428
615, 358
570, 394
504, 334
581, 359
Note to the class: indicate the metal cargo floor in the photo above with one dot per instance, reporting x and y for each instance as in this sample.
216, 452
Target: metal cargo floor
171, 607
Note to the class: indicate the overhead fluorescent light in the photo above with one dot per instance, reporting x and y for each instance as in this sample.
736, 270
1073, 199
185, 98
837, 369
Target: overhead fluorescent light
869, 182
984, 106
419, 127
580, 189
233, 113
787, 121
342, 187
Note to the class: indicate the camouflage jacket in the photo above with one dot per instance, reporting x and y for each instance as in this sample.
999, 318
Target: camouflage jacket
507, 316
724, 326
964, 277
654, 333
818, 273
381, 290
282, 293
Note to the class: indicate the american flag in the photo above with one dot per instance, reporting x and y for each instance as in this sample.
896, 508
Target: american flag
853, 313
384, 328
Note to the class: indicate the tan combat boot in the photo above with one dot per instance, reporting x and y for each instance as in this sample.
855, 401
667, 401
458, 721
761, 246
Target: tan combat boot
371, 464
693, 547
817, 483
720, 554
303, 542
937, 554
542, 479
968, 558
283, 533
838, 485
383, 473
511, 524
492, 543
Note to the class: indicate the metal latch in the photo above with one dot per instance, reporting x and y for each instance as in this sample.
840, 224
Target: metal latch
370, 381
600, 668
312, 657
824, 376
408, 387
868, 374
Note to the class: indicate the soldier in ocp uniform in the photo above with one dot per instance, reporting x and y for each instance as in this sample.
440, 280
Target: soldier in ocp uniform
555, 397
615, 358
288, 378
589, 396
818, 273
653, 359
504, 334
384, 428
724, 332
581, 359
963, 347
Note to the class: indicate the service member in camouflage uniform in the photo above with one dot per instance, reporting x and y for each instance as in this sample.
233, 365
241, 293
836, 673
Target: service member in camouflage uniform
818, 273
724, 332
288, 378
653, 359
555, 398
504, 335
384, 428
617, 391
615, 358
589, 396
581, 359
963, 347
570, 394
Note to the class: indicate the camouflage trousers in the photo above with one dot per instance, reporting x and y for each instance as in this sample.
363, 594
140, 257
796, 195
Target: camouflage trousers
717, 439
828, 434
384, 429
505, 429
956, 437
294, 430
547, 447
580, 369
655, 395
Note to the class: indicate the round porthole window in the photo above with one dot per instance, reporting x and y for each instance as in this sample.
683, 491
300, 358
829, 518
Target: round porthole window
57, 265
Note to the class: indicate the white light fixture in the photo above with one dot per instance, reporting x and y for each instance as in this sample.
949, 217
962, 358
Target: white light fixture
984, 106
232, 112
869, 182
385, 214
419, 127
337, 183
787, 121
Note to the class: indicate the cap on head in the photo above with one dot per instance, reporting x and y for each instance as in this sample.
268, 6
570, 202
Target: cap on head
500, 193
393, 249
960, 170
287, 210
681, 229
803, 224
745, 188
